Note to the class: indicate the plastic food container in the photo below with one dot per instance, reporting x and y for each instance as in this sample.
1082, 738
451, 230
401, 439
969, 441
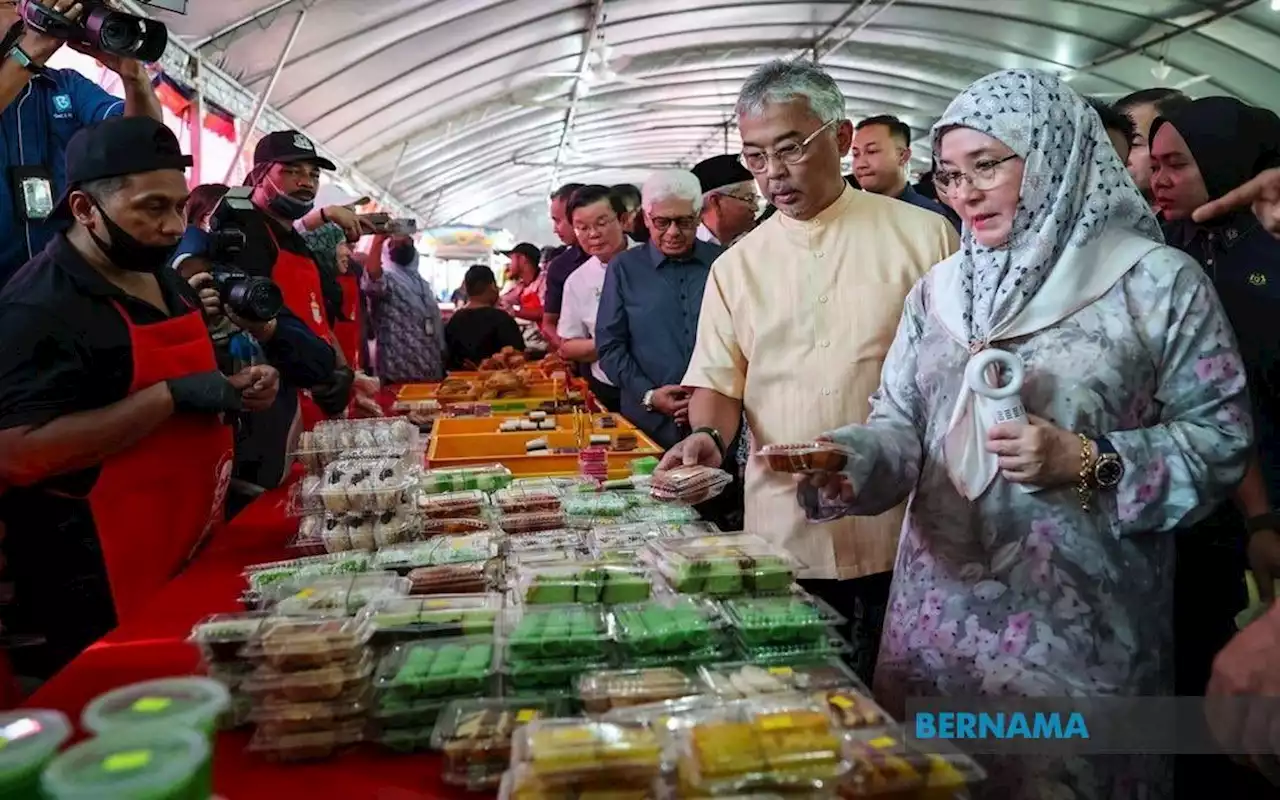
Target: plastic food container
558, 539
453, 505
603, 504
453, 527
287, 644
338, 533
734, 681
574, 752
660, 514
321, 684
28, 741
487, 478
451, 579
345, 595
725, 565
475, 737
262, 577
750, 746
152, 763
805, 457
885, 766
355, 485
521, 784
555, 632
583, 583
665, 626
463, 548
313, 746
516, 524
430, 670
222, 638
285, 718
515, 500
689, 484
167, 703
784, 619
603, 691
412, 618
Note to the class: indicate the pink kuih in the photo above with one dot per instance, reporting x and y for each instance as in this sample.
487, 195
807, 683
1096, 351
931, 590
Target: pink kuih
594, 463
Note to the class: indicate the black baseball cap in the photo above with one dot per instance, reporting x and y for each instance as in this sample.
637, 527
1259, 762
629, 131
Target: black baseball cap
117, 147
525, 249
288, 147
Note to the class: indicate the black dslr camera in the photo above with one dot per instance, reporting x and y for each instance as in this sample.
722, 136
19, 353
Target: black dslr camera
103, 28
248, 297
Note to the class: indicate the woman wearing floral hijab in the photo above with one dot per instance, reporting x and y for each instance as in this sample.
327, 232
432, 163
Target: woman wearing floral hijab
1036, 558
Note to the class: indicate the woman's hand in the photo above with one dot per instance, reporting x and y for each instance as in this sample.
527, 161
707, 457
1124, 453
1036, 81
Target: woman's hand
1039, 452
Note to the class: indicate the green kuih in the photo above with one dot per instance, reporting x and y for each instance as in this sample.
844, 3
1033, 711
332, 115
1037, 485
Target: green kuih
152, 763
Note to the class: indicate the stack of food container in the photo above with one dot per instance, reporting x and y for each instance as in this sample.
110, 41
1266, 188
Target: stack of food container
576, 758
546, 648
474, 736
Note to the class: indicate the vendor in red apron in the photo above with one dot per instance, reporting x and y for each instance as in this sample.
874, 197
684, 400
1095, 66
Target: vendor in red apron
114, 445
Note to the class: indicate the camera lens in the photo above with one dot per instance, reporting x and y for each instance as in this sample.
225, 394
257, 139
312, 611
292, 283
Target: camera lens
261, 300
119, 33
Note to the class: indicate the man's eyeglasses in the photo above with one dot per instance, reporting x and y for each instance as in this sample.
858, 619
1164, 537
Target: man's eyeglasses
757, 161
601, 225
741, 198
683, 223
986, 175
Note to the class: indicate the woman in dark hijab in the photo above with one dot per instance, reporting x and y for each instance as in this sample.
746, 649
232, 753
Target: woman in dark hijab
1199, 152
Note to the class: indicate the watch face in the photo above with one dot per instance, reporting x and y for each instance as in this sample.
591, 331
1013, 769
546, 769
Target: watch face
1109, 472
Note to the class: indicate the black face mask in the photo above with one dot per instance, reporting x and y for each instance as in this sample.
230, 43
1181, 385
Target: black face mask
402, 254
126, 252
286, 205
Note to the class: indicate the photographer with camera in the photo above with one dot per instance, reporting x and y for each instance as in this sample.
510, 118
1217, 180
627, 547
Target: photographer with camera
114, 442
41, 110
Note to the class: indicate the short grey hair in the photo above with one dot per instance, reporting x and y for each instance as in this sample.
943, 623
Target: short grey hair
782, 81
672, 184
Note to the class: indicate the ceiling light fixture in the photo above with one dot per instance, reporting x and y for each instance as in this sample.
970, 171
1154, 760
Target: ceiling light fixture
1162, 70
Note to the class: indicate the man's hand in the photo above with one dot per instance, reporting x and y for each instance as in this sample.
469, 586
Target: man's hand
257, 386
671, 400
1264, 561
210, 300
204, 393
365, 395
1038, 453
346, 219
332, 397
699, 448
1262, 194
126, 68
1248, 669
41, 47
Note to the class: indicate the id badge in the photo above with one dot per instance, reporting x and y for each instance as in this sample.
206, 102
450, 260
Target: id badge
32, 192
430, 327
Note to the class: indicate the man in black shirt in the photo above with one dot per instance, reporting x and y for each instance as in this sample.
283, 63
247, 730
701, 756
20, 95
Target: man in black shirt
114, 452
479, 329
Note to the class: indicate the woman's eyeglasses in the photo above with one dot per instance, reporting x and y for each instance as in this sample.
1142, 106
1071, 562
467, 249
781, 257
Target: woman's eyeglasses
986, 175
757, 161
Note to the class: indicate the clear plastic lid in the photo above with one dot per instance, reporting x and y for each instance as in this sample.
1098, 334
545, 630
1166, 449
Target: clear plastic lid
438, 550
612, 538
664, 626
476, 576
689, 484
365, 485
167, 702
136, 763
516, 524
363, 434
602, 504
548, 675
660, 514
521, 784
362, 531
545, 540
740, 680
522, 500
28, 740
759, 745
815, 456
555, 632
725, 565
453, 527
885, 765
436, 668
781, 619
312, 746
285, 717
318, 685
542, 558
453, 505
486, 478
475, 736
829, 645
297, 643
583, 583
262, 576
572, 750
602, 691
444, 615
223, 637
342, 595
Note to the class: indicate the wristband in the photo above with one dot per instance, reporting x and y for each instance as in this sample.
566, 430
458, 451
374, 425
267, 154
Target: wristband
1269, 521
715, 437
23, 60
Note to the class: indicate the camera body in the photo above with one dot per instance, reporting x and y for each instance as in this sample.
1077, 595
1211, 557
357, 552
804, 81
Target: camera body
103, 28
249, 297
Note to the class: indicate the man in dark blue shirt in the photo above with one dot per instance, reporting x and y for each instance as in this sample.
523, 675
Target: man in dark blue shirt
42, 109
563, 265
647, 321
881, 150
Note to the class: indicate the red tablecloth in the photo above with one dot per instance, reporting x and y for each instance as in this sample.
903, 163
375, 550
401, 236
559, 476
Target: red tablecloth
154, 645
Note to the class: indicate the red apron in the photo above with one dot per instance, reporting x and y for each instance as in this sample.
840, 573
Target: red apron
154, 503
299, 280
348, 329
